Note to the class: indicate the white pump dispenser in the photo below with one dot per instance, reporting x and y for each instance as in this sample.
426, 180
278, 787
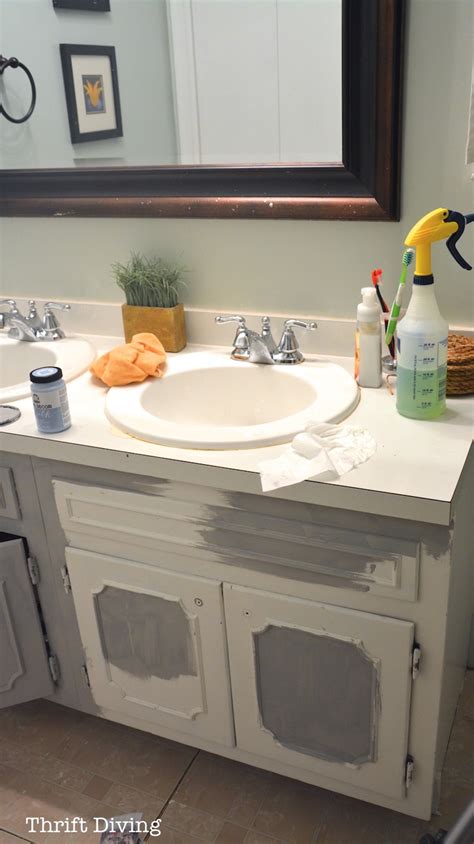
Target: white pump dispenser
368, 348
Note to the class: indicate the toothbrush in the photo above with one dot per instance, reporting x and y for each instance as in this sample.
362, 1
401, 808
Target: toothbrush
397, 303
376, 279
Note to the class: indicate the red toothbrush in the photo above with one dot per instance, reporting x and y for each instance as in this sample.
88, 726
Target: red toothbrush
376, 280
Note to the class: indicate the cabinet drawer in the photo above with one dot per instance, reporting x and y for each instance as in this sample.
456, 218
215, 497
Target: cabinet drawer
207, 525
9, 506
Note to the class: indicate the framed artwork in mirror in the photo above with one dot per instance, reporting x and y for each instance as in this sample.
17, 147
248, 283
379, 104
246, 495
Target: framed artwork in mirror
83, 5
361, 182
92, 92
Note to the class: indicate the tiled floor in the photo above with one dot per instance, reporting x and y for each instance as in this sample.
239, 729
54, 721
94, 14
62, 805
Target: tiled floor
58, 763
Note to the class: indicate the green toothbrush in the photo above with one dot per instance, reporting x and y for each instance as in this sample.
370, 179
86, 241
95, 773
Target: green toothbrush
397, 303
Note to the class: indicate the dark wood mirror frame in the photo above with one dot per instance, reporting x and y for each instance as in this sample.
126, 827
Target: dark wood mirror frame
365, 186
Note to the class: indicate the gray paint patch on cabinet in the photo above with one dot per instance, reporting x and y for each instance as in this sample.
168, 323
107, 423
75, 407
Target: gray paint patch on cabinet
317, 694
145, 635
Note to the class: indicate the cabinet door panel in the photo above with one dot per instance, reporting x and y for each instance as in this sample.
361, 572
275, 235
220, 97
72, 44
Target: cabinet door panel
24, 671
155, 643
320, 687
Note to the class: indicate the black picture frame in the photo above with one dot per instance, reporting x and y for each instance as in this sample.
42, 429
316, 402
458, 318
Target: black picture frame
68, 52
83, 5
364, 186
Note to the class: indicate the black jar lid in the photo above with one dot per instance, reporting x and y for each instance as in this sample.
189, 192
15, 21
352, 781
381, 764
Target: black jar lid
46, 374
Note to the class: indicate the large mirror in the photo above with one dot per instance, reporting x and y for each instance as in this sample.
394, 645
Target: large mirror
202, 107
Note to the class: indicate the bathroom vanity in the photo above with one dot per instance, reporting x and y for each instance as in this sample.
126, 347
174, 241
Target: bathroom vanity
320, 632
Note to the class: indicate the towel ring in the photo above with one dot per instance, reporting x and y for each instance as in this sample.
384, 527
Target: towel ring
14, 63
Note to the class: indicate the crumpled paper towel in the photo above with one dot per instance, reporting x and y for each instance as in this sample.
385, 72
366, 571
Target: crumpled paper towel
323, 450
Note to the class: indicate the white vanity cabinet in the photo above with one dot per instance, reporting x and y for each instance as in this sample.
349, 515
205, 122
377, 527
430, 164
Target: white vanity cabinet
155, 644
278, 633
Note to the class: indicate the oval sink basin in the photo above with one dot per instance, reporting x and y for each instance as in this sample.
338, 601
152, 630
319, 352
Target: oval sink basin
206, 400
17, 358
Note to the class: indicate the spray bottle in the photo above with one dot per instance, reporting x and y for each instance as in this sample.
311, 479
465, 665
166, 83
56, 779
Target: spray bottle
422, 335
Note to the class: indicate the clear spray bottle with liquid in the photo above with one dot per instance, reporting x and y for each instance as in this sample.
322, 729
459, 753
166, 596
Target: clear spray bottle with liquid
422, 335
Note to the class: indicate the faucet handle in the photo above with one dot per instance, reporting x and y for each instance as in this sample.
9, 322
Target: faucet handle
12, 303
233, 318
241, 350
50, 322
300, 323
288, 347
58, 306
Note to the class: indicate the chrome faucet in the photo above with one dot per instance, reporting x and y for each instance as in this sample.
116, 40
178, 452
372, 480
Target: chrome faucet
32, 328
261, 348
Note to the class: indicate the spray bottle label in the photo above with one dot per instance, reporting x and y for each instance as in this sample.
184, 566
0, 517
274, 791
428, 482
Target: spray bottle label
421, 375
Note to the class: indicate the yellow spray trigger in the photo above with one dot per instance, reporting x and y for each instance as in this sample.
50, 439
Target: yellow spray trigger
432, 227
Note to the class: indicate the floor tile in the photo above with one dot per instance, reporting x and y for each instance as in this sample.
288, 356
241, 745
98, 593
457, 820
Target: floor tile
292, 811
171, 836
88, 742
224, 788
46, 767
97, 787
257, 838
9, 784
128, 756
231, 834
129, 800
38, 726
7, 838
182, 818
35, 798
351, 821
459, 761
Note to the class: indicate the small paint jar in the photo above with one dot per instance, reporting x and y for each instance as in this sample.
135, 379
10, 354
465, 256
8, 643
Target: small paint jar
50, 400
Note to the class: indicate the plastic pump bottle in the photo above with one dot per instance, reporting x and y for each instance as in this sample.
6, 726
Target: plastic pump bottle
368, 350
422, 335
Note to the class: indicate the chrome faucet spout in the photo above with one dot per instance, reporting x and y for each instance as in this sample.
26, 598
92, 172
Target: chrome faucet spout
20, 329
258, 349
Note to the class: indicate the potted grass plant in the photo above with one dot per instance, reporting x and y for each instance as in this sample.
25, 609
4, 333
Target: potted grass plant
151, 287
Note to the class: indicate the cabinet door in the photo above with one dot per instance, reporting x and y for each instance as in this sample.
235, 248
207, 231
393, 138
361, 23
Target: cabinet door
24, 670
155, 643
320, 687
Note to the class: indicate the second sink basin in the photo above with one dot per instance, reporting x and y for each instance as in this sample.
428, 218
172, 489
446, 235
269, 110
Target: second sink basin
18, 358
206, 400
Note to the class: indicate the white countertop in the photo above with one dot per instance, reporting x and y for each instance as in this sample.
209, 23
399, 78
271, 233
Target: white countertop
413, 475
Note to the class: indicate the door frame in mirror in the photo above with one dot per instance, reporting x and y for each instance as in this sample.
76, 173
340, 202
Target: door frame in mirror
364, 186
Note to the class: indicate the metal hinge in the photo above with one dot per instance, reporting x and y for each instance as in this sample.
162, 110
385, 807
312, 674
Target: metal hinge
409, 769
85, 675
33, 570
415, 660
66, 580
54, 669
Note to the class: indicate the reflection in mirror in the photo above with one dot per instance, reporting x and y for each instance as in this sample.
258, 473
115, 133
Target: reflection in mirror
200, 82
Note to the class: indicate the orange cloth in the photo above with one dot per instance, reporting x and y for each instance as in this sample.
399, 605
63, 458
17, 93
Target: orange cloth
131, 362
